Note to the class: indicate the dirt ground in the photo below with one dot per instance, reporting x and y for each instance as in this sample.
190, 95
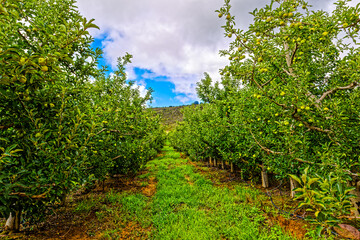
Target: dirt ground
68, 224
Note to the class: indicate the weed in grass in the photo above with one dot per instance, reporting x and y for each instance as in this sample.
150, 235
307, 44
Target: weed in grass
144, 184
113, 197
134, 204
144, 176
111, 235
86, 205
100, 215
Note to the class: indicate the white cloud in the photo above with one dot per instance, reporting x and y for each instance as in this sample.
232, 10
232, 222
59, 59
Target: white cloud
331, 6
142, 89
131, 75
177, 39
183, 99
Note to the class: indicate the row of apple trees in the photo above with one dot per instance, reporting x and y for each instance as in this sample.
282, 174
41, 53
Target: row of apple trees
289, 102
63, 122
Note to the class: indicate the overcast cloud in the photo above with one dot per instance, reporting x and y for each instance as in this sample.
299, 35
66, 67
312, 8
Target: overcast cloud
179, 39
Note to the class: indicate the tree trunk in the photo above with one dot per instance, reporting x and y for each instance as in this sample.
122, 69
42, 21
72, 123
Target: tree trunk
210, 162
10, 223
264, 178
13, 222
293, 184
222, 165
231, 167
215, 163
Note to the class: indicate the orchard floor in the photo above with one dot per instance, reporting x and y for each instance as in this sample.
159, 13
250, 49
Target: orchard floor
172, 199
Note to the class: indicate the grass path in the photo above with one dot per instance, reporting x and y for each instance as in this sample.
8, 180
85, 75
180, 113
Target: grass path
172, 199
186, 205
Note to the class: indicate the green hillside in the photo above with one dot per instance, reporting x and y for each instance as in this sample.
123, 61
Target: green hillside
170, 116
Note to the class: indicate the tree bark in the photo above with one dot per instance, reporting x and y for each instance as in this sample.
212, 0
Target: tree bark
13, 222
231, 167
222, 165
210, 162
215, 163
293, 184
264, 178
10, 222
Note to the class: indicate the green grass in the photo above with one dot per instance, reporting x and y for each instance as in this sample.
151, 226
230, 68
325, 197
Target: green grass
86, 206
186, 205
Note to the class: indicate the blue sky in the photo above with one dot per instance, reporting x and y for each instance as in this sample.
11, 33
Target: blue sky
172, 42
164, 91
163, 94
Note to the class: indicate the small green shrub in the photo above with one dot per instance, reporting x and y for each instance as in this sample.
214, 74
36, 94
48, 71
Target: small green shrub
327, 197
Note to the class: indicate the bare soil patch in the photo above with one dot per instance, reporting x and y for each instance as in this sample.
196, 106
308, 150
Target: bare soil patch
66, 223
150, 189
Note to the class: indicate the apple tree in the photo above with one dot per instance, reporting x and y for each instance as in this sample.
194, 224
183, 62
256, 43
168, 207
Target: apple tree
59, 115
304, 67
290, 94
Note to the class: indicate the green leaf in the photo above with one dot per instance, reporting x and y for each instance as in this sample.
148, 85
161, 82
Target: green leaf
296, 178
319, 230
316, 213
312, 180
329, 199
349, 190
90, 24
304, 178
302, 204
3, 10
340, 188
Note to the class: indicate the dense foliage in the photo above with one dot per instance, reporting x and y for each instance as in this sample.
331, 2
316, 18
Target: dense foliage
290, 98
63, 122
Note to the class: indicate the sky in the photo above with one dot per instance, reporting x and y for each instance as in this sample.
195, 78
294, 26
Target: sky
173, 42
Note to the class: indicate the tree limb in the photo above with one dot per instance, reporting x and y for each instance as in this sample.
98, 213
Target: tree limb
325, 94
298, 118
35, 197
264, 148
116, 131
299, 159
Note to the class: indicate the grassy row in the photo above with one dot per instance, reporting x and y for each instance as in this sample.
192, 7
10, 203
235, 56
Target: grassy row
186, 205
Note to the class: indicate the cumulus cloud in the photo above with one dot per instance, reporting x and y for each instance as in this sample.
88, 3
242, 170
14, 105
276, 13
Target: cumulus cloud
330, 6
130, 73
142, 89
177, 39
183, 99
